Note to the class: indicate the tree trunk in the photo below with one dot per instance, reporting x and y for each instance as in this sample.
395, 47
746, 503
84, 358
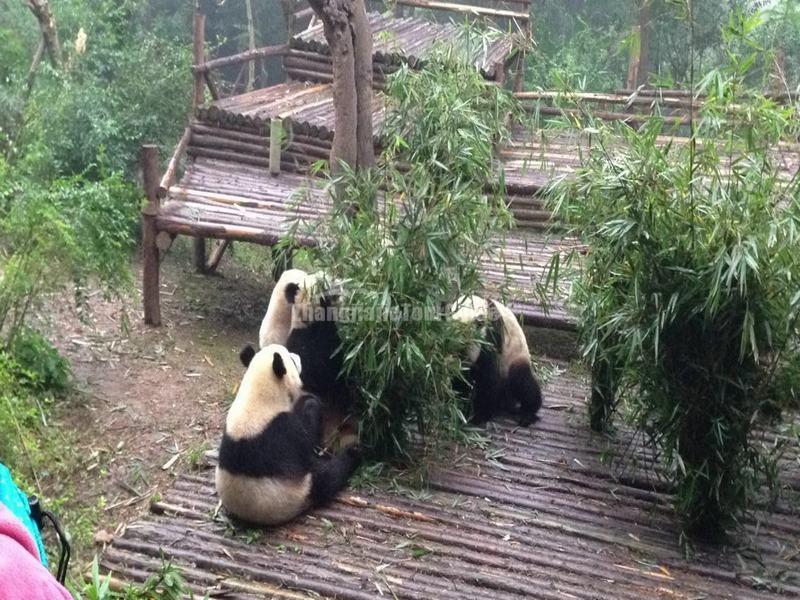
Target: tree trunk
644, 41
251, 44
348, 34
47, 25
640, 49
362, 45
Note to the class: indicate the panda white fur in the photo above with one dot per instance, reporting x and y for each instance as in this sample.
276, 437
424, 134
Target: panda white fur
268, 471
277, 322
500, 373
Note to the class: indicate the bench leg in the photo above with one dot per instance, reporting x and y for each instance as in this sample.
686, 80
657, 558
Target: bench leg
151, 284
200, 254
216, 255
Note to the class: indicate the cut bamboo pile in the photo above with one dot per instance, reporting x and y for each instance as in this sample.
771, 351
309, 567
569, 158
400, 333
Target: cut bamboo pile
537, 515
396, 41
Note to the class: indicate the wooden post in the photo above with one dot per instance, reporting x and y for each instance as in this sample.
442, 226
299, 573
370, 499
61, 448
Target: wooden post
150, 266
275, 139
199, 57
199, 254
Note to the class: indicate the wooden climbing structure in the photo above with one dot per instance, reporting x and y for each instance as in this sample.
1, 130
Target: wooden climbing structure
545, 512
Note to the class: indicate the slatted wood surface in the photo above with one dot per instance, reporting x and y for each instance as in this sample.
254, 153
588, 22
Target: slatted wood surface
399, 40
538, 514
218, 198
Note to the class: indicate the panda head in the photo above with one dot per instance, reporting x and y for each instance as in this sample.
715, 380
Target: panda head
311, 300
271, 384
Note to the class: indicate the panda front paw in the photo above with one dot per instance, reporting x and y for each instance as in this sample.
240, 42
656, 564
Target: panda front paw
527, 419
354, 455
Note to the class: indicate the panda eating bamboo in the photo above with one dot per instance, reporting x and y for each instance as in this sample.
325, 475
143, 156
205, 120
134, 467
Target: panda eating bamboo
268, 471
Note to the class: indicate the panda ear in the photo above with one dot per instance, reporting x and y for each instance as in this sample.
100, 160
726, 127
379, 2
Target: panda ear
246, 355
278, 366
291, 291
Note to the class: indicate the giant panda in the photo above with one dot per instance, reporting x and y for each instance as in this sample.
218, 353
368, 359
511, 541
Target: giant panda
314, 337
500, 371
268, 471
277, 322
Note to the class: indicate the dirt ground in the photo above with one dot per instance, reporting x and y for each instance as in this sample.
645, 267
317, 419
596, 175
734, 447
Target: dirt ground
149, 401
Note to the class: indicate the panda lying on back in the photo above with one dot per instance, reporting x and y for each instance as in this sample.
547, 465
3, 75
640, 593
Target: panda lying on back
500, 370
268, 471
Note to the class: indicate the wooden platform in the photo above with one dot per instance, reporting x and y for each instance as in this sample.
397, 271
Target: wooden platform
221, 199
537, 514
398, 40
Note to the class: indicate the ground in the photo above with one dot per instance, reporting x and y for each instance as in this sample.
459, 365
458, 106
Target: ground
148, 401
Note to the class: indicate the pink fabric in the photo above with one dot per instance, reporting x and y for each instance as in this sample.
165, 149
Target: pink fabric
22, 576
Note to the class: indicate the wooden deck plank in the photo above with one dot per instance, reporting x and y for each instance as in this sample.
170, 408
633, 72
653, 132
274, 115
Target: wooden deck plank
540, 516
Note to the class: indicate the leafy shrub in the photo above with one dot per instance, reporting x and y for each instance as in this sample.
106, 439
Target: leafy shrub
405, 243
689, 295
44, 368
66, 233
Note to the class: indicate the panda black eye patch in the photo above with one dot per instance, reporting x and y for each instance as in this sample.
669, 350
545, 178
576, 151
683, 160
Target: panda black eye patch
291, 291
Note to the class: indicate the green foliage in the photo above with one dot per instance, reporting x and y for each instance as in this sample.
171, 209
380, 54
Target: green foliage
130, 84
584, 46
689, 296
166, 584
66, 233
405, 243
45, 369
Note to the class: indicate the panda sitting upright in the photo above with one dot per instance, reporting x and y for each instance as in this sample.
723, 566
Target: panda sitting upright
500, 373
268, 471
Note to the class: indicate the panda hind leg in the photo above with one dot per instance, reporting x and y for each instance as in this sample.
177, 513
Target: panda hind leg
309, 410
522, 388
331, 475
486, 400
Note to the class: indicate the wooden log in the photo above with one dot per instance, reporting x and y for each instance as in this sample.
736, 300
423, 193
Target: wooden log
212, 86
275, 139
164, 241
465, 8
606, 115
638, 100
169, 175
150, 267
198, 52
242, 57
